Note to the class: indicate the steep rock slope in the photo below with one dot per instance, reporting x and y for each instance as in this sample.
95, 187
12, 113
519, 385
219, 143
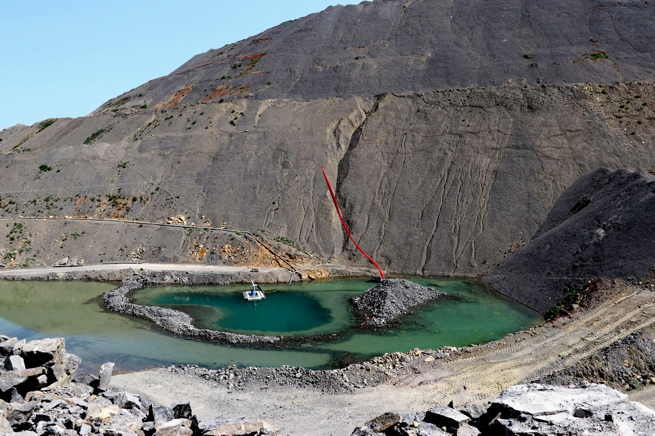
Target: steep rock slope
602, 226
431, 180
441, 182
418, 45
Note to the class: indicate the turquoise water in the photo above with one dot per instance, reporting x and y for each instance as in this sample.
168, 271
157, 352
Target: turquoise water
73, 310
282, 313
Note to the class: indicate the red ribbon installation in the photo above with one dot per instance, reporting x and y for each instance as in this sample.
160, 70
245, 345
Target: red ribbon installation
346, 227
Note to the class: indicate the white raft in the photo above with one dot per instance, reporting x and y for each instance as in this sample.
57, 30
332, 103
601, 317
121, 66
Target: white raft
254, 294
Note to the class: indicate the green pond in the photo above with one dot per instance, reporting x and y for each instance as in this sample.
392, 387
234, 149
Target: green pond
74, 310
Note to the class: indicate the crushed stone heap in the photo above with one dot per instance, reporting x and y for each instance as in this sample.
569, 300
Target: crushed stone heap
392, 298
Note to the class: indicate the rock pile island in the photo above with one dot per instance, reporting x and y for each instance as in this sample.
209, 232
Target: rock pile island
392, 298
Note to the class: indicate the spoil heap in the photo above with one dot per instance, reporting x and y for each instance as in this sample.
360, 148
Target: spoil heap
392, 298
602, 226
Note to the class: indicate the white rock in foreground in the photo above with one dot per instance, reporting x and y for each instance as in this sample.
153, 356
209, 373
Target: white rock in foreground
588, 409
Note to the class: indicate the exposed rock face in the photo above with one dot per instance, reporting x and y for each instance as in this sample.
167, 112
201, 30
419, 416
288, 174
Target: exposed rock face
392, 298
399, 46
433, 178
602, 226
439, 182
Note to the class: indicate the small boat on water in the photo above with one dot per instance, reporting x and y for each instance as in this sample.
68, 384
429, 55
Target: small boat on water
254, 294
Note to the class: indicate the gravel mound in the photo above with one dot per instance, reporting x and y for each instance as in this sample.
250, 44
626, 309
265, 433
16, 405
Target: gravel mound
392, 298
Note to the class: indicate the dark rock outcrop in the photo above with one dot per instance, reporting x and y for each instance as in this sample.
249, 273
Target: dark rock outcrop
392, 298
602, 226
400, 46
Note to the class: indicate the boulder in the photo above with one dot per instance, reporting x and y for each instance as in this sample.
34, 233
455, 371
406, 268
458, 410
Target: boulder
383, 422
12, 379
125, 400
15, 396
61, 262
105, 376
50, 353
176, 427
14, 362
236, 427
160, 413
86, 378
182, 409
18, 347
467, 430
7, 346
475, 410
585, 409
99, 413
72, 363
19, 414
444, 416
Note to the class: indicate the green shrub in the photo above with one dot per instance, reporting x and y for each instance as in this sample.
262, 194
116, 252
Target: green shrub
45, 168
527, 56
45, 124
97, 134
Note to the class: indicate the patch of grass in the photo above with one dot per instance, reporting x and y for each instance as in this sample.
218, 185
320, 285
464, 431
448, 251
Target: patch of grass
597, 55
527, 56
285, 240
96, 135
45, 124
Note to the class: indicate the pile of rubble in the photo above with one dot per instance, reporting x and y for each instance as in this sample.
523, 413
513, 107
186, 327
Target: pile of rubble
42, 395
532, 409
391, 299
69, 261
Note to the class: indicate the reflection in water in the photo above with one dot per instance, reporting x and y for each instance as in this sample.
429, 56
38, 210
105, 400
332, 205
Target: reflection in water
74, 310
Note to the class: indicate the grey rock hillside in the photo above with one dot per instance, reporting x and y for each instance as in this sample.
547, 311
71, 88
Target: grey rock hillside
441, 182
418, 45
602, 226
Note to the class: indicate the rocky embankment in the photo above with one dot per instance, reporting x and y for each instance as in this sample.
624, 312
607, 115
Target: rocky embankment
602, 226
170, 320
385, 302
391, 299
43, 395
522, 410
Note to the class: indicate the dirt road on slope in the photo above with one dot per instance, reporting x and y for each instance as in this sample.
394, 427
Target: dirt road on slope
413, 381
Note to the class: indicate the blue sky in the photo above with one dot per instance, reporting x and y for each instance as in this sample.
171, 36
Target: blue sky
65, 58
